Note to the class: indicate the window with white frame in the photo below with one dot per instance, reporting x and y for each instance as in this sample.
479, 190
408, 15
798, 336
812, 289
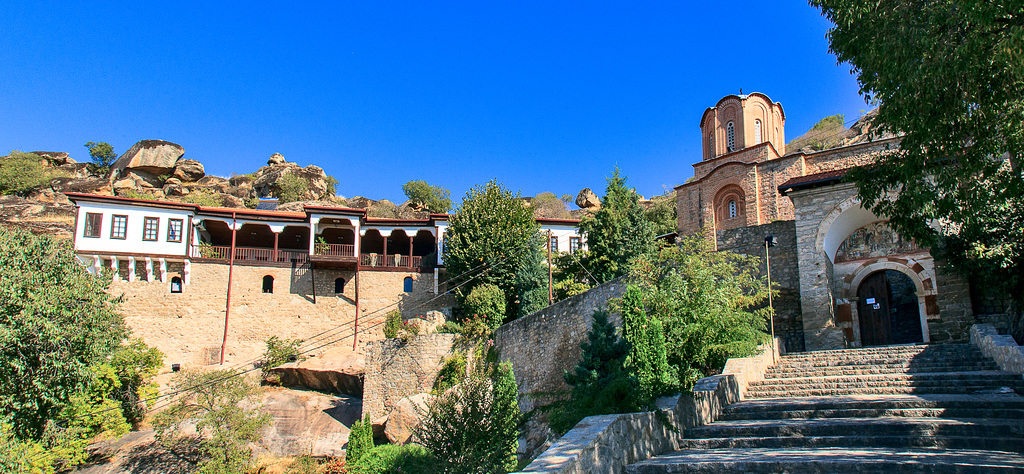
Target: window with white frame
575, 243
119, 227
732, 209
151, 228
554, 244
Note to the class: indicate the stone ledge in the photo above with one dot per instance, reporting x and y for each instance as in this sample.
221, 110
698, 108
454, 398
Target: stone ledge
1003, 349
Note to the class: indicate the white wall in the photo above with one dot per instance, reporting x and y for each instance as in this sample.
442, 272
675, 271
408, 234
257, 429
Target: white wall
562, 232
133, 242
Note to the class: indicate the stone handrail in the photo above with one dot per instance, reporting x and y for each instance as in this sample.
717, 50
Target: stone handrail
608, 443
1003, 349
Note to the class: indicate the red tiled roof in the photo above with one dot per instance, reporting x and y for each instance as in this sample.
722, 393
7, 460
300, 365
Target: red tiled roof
812, 180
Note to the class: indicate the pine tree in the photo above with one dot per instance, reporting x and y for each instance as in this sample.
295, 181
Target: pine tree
360, 440
618, 232
647, 359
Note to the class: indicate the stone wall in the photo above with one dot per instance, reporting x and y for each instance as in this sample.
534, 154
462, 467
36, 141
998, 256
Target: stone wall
188, 327
1002, 349
396, 369
786, 278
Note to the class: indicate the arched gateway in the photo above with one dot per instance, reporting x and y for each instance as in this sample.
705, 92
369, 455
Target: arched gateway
888, 310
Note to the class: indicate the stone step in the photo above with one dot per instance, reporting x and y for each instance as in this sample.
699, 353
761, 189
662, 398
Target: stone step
886, 362
869, 370
877, 413
830, 460
1006, 402
854, 427
1007, 444
945, 377
902, 349
821, 384
825, 392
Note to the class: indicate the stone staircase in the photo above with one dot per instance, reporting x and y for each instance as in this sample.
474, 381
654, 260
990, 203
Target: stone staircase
925, 408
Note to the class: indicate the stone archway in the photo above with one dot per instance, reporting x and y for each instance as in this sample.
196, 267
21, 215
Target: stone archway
908, 302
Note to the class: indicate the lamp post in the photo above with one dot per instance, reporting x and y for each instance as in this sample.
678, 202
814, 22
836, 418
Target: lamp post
770, 241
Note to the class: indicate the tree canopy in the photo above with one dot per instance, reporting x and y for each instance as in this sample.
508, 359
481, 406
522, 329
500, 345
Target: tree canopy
494, 231
433, 198
102, 154
949, 77
618, 232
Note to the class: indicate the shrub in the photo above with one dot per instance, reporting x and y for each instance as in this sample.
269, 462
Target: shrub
360, 440
280, 351
452, 373
22, 172
433, 198
647, 359
392, 324
203, 197
486, 302
135, 364
291, 187
390, 458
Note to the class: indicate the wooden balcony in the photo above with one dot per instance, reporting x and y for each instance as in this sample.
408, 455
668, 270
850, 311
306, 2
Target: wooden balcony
334, 250
389, 261
252, 254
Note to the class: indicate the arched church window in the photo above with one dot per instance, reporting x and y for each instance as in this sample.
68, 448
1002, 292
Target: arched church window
711, 144
757, 131
730, 137
732, 209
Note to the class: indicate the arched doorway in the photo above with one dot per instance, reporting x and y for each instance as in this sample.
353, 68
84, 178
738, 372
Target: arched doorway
888, 309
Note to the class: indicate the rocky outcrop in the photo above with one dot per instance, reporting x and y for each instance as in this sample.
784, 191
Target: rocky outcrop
56, 158
154, 156
335, 371
189, 170
586, 199
405, 418
427, 323
266, 181
308, 423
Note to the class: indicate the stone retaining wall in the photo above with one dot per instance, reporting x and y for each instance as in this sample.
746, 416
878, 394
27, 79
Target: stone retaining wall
1003, 349
396, 369
608, 443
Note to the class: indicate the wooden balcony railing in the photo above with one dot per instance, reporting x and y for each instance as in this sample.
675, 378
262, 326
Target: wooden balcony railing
252, 254
335, 250
381, 260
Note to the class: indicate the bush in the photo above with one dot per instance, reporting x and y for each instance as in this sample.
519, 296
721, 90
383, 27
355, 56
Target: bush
433, 198
360, 440
486, 302
291, 187
22, 172
392, 324
390, 458
452, 373
280, 351
202, 197
135, 365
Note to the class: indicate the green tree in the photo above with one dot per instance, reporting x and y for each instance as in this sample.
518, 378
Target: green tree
22, 172
56, 321
618, 232
600, 383
531, 280
662, 213
474, 427
488, 302
493, 234
215, 406
291, 187
709, 303
135, 364
434, 198
547, 205
102, 154
360, 440
949, 77
647, 359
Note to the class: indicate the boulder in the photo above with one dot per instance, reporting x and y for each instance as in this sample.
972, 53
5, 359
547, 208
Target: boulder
56, 158
338, 370
82, 185
78, 170
276, 159
175, 190
308, 423
213, 181
405, 418
266, 180
124, 185
154, 156
143, 179
586, 199
428, 323
241, 180
189, 170
172, 181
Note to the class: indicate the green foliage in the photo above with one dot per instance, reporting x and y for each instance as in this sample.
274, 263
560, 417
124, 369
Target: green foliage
531, 281
434, 198
280, 351
486, 302
949, 77
208, 250
600, 383
202, 197
360, 440
395, 459
569, 275
135, 364
291, 187
618, 232
704, 299
102, 154
452, 373
332, 186
647, 359
215, 404
827, 133
662, 213
392, 324
548, 205
494, 230
22, 172
474, 427
55, 322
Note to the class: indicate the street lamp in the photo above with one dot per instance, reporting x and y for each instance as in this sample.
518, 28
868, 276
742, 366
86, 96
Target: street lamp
770, 241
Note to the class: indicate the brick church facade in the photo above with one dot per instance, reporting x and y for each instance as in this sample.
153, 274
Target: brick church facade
844, 278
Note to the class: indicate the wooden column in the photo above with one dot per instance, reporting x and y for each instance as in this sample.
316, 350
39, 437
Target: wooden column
227, 304
355, 332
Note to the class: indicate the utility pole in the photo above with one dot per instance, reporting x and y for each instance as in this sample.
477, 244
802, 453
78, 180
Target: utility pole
551, 294
227, 304
770, 241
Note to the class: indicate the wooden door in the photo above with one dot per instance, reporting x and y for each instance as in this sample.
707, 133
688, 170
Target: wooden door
873, 311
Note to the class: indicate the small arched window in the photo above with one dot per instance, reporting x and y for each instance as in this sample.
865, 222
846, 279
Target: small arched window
757, 131
730, 137
711, 144
407, 285
339, 285
268, 284
175, 285
732, 209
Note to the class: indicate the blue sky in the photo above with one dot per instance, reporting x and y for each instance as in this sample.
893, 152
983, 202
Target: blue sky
543, 96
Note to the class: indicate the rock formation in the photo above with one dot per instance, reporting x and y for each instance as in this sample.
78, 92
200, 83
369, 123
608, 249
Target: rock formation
337, 370
405, 418
586, 199
189, 170
154, 156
